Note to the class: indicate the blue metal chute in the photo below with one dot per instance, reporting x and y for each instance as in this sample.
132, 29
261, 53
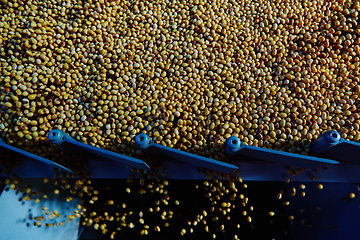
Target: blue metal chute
145, 144
64, 140
237, 149
331, 145
32, 165
256, 163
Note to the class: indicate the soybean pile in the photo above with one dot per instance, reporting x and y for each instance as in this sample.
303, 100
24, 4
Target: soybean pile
189, 74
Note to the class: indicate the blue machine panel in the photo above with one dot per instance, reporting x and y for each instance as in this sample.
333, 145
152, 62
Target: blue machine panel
257, 164
145, 144
64, 140
236, 148
31, 164
331, 145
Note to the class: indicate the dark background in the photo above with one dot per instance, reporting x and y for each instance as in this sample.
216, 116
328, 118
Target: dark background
321, 214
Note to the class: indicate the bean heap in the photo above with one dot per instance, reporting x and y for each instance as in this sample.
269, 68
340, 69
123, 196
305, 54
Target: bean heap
187, 73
